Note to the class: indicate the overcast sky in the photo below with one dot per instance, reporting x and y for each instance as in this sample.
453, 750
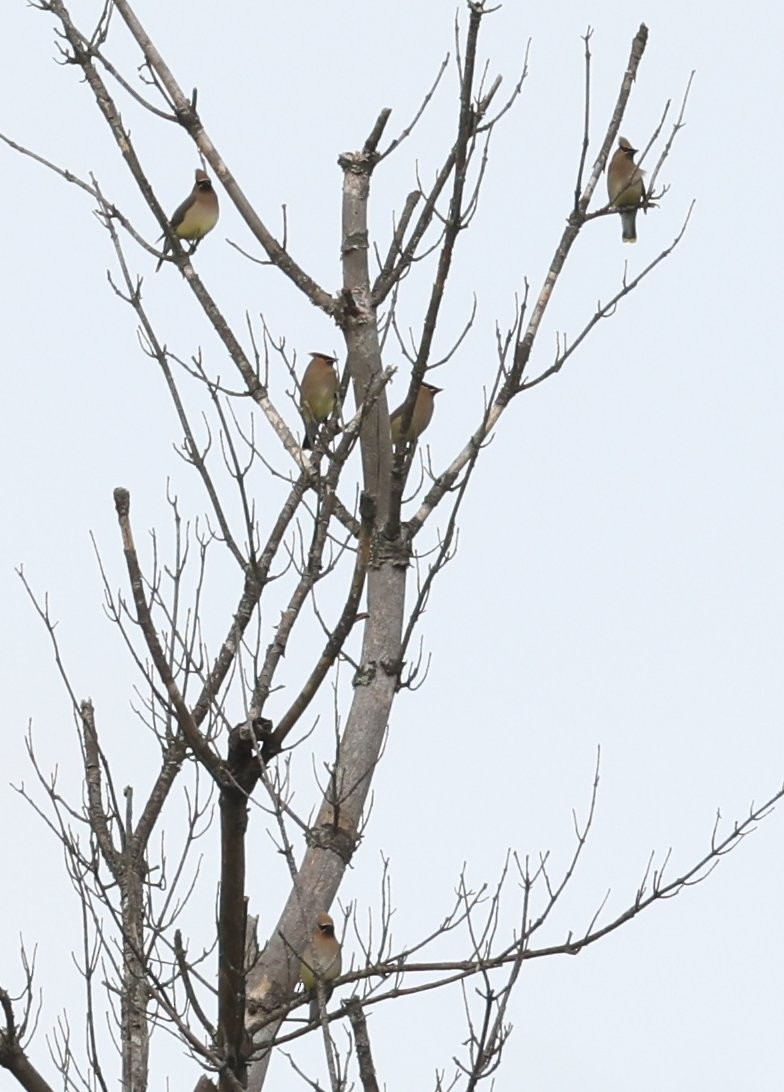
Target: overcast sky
618, 581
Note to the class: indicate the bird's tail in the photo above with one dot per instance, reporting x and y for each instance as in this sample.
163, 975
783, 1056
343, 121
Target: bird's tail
311, 429
326, 988
628, 225
163, 255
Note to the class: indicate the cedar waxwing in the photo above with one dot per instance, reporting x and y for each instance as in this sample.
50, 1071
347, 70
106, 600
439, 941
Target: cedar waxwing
420, 417
321, 962
197, 215
625, 187
318, 393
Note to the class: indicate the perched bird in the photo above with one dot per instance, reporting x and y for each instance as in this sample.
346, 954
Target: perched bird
625, 187
318, 394
196, 216
420, 417
321, 962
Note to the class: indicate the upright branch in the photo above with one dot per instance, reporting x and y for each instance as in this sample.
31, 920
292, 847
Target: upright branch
336, 638
244, 771
359, 314
469, 118
525, 345
367, 1071
334, 835
187, 724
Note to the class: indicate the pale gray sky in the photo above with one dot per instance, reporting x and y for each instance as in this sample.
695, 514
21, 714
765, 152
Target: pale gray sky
619, 574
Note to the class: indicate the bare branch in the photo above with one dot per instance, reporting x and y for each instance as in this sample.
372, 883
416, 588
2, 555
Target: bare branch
367, 1072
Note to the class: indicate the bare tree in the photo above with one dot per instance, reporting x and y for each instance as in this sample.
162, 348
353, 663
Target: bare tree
333, 555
